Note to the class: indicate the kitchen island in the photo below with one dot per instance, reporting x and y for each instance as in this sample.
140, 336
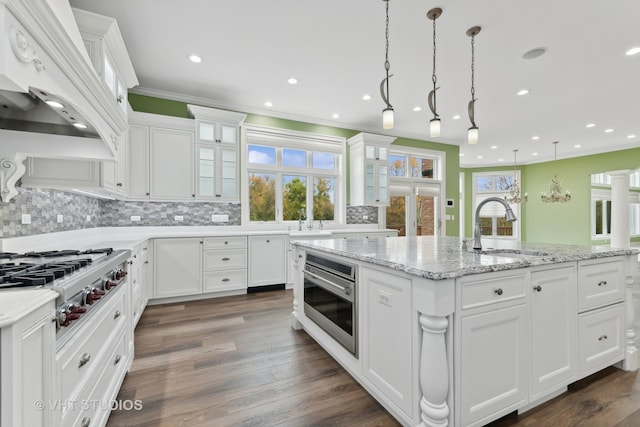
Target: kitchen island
449, 336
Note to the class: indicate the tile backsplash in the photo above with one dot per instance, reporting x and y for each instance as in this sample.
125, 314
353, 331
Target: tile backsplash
55, 210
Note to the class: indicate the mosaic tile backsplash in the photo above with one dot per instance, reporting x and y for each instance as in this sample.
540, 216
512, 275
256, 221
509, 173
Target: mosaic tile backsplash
55, 210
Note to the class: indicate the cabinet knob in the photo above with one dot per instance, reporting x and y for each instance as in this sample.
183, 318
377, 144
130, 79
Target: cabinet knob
119, 184
146, 194
146, 262
86, 422
498, 291
537, 288
120, 99
116, 314
117, 360
84, 359
193, 195
267, 240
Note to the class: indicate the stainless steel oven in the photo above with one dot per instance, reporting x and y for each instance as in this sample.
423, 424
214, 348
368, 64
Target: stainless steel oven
330, 290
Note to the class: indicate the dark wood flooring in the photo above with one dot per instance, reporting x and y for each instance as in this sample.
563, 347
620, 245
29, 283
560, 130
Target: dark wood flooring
235, 361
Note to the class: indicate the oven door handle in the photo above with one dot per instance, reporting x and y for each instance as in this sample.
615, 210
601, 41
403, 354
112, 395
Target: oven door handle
342, 289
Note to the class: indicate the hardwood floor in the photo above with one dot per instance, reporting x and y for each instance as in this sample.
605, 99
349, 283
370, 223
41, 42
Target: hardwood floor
235, 361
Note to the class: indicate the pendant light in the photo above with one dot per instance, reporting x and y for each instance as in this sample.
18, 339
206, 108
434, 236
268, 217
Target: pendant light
434, 124
387, 113
555, 187
514, 193
472, 133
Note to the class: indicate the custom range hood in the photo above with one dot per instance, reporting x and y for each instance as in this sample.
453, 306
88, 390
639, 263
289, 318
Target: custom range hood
54, 101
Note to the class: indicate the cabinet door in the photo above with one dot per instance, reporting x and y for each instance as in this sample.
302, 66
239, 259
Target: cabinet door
553, 330
228, 134
206, 171
122, 165
139, 161
172, 154
178, 267
228, 177
386, 335
493, 360
267, 260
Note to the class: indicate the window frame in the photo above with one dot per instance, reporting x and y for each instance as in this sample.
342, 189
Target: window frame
515, 207
296, 140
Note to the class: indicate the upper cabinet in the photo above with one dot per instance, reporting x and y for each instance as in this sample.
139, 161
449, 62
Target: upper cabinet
217, 153
107, 51
369, 166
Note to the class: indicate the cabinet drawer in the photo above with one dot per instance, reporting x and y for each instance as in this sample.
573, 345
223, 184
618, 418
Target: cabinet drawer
225, 280
600, 283
225, 260
602, 338
491, 290
232, 242
85, 348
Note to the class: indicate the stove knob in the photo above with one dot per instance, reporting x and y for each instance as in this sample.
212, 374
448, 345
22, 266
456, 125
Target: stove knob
98, 292
108, 284
119, 274
62, 317
76, 309
90, 295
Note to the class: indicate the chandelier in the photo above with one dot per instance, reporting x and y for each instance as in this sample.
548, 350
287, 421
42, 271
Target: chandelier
434, 124
514, 193
387, 113
555, 187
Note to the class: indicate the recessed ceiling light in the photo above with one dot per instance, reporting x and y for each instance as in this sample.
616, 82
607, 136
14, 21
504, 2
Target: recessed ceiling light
631, 136
335, 115
633, 51
195, 58
292, 81
534, 53
268, 104
55, 104
590, 125
480, 157
501, 160
535, 137
577, 146
608, 130
523, 92
417, 108
534, 154
493, 147
456, 117
80, 125
366, 97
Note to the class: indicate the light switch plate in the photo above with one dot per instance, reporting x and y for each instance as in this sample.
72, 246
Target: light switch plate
59, 218
135, 218
178, 218
26, 219
219, 218
88, 218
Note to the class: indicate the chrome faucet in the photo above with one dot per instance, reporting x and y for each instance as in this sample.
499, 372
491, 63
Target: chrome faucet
300, 218
477, 243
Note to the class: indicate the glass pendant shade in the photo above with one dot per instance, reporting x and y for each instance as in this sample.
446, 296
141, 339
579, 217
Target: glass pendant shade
434, 128
472, 135
387, 118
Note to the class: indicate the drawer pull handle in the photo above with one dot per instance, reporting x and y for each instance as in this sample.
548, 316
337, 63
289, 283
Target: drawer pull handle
226, 259
498, 291
116, 314
603, 283
86, 422
604, 337
118, 357
226, 279
84, 359
537, 288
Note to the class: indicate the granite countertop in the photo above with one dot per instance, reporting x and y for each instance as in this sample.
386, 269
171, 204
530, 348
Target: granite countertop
439, 258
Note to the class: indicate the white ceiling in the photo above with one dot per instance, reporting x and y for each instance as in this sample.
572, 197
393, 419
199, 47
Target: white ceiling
335, 48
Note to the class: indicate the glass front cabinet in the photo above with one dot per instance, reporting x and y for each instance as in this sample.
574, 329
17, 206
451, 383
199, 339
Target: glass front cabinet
369, 169
217, 151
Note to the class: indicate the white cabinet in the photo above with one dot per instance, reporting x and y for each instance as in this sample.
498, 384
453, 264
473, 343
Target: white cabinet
267, 260
369, 165
178, 267
26, 365
491, 347
138, 161
171, 164
554, 330
225, 263
387, 336
217, 153
61, 173
114, 173
601, 282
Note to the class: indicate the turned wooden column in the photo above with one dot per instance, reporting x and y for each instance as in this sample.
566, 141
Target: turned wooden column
631, 356
434, 372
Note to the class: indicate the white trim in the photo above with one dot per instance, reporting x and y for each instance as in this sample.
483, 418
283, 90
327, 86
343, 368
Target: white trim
475, 194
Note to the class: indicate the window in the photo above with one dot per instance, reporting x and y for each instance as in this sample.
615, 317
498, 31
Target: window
492, 215
292, 176
406, 165
601, 212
